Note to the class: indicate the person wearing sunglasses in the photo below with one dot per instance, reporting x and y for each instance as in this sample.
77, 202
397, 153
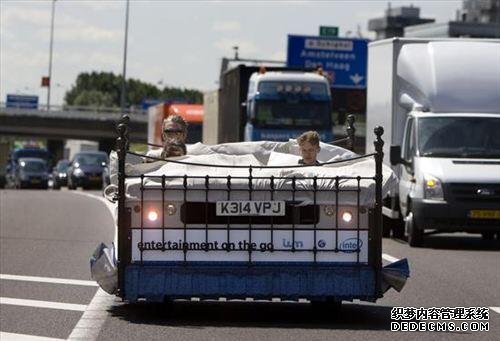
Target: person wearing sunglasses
174, 134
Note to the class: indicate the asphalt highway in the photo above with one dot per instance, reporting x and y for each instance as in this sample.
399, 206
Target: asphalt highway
46, 238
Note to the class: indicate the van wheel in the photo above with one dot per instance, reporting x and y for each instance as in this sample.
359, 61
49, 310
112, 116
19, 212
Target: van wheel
386, 226
398, 228
488, 235
415, 235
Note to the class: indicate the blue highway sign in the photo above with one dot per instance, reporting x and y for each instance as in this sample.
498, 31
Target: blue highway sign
22, 101
345, 60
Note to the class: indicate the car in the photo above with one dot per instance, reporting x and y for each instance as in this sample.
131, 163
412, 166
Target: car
59, 175
31, 173
16, 155
88, 169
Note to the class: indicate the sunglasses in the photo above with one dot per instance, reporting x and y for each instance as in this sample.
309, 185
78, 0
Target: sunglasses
173, 131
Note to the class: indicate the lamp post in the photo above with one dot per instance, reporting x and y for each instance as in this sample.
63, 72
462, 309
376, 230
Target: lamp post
50, 52
124, 74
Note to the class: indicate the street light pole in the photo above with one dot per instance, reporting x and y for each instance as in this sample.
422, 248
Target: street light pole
50, 52
124, 74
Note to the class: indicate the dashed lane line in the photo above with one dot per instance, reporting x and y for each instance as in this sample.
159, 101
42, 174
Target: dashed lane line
52, 280
42, 304
23, 337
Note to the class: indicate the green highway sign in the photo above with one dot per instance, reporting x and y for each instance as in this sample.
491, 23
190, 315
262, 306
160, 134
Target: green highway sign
328, 31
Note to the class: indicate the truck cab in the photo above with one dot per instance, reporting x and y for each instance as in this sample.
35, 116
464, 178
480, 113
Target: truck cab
282, 105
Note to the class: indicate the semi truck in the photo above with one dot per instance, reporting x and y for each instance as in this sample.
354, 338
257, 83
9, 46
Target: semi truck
275, 104
439, 102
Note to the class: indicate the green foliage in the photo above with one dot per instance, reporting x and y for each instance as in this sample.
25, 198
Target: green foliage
94, 98
104, 89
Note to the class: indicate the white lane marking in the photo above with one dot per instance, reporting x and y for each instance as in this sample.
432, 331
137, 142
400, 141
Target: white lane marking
42, 304
48, 280
495, 309
389, 258
23, 337
92, 320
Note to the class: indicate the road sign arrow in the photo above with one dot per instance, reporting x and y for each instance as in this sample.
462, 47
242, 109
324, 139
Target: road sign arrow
356, 78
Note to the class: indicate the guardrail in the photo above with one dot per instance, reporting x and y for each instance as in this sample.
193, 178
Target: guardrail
77, 112
79, 108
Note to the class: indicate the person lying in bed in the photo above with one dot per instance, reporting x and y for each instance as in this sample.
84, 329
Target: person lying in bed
309, 148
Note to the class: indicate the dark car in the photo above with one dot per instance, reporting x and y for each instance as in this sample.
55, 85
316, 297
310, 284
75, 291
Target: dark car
59, 176
13, 162
87, 169
31, 173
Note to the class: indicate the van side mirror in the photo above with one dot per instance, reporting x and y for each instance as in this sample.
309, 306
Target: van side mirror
395, 154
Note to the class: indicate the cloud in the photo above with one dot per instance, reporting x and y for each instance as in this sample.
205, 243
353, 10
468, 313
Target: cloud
95, 59
21, 60
279, 55
226, 26
16, 16
246, 47
103, 5
89, 34
67, 28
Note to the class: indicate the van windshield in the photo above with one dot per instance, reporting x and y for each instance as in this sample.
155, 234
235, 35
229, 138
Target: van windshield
33, 166
38, 153
91, 159
460, 137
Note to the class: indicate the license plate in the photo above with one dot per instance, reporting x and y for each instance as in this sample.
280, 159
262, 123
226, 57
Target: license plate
35, 181
250, 208
484, 214
95, 178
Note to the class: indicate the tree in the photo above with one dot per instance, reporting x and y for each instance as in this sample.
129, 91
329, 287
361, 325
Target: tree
104, 89
93, 98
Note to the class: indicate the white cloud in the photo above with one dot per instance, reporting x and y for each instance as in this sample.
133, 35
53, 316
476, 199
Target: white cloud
16, 16
20, 60
89, 34
96, 59
279, 55
246, 47
226, 26
103, 5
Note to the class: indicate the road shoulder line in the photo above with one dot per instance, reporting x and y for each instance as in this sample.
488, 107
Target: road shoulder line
389, 258
90, 324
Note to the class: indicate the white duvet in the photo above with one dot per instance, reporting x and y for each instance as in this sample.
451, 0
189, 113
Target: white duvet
256, 154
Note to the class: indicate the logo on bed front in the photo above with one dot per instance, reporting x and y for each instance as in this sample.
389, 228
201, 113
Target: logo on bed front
351, 245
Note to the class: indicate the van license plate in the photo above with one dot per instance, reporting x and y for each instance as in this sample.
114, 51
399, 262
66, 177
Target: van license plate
484, 214
250, 208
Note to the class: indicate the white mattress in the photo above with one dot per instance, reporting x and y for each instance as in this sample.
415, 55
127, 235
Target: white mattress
257, 154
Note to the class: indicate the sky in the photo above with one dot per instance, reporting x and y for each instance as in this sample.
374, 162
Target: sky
170, 43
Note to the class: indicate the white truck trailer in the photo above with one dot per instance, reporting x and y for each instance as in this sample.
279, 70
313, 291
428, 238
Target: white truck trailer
439, 103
